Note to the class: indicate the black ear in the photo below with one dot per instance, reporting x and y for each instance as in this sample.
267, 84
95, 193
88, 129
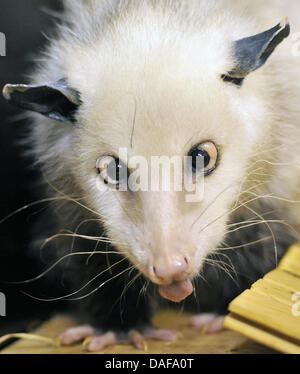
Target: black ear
251, 53
55, 100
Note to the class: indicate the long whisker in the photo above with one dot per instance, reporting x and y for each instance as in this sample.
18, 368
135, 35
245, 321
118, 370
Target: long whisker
277, 163
270, 229
101, 285
19, 210
210, 204
280, 198
102, 239
218, 263
94, 251
57, 263
252, 218
133, 123
69, 198
255, 223
235, 208
228, 268
67, 297
244, 244
78, 227
220, 194
127, 285
143, 290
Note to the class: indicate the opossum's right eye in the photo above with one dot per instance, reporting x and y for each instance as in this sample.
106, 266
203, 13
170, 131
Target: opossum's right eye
112, 171
209, 153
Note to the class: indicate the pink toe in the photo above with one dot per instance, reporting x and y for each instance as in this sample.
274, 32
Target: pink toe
216, 325
200, 320
75, 334
137, 340
98, 343
159, 334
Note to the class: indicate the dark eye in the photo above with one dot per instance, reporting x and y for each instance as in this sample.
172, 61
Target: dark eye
208, 154
112, 171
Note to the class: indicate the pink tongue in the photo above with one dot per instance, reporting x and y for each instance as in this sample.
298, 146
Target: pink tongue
177, 291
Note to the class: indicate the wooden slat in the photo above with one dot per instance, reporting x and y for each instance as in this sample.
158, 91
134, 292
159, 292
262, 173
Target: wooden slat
264, 313
285, 280
262, 336
268, 312
291, 262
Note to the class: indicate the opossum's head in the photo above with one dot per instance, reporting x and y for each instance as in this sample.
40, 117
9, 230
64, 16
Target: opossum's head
132, 111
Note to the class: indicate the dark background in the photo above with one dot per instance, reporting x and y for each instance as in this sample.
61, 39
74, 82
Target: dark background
24, 24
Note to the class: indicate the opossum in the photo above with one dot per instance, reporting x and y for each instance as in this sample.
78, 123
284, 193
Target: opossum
206, 80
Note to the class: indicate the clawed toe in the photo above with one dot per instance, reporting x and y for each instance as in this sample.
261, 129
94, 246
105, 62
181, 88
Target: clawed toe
210, 323
98, 343
76, 334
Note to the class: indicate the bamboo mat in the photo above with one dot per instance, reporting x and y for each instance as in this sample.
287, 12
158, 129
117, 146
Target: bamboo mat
269, 312
190, 341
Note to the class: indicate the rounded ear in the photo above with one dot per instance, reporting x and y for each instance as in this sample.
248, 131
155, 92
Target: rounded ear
54, 100
251, 53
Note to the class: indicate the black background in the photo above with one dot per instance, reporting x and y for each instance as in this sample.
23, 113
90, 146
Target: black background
24, 24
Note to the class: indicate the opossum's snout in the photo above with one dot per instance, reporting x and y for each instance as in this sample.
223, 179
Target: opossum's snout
172, 273
165, 270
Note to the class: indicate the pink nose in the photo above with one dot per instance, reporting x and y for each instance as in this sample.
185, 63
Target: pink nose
168, 269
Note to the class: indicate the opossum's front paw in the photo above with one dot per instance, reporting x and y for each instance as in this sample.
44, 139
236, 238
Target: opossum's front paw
210, 323
95, 340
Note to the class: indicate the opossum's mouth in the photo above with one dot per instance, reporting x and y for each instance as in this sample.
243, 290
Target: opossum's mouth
176, 291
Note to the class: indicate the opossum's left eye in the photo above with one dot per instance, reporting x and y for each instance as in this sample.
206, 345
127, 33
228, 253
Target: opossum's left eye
208, 155
112, 171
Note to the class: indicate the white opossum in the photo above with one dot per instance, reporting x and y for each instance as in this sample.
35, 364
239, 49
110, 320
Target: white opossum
169, 78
